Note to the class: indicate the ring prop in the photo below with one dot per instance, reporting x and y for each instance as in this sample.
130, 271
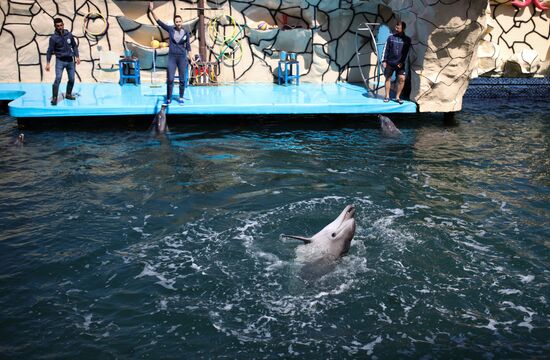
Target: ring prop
92, 16
225, 36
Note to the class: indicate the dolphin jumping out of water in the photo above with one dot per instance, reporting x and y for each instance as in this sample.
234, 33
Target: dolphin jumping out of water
321, 251
158, 126
388, 127
334, 239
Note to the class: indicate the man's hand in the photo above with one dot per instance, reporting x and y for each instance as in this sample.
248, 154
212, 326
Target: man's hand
77, 61
399, 66
384, 64
48, 67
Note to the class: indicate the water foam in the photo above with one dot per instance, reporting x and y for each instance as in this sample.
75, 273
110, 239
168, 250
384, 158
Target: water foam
149, 270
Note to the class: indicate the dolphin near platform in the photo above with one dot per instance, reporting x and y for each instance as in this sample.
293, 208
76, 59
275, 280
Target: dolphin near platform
20, 141
388, 127
158, 126
323, 249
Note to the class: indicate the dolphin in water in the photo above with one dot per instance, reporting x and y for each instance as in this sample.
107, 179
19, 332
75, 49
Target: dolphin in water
323, 249
158, 126
20, 140
388, 127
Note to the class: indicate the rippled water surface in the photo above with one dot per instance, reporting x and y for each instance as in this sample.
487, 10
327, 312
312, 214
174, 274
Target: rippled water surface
116, 244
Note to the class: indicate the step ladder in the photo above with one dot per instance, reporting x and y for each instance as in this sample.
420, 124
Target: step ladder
371, 84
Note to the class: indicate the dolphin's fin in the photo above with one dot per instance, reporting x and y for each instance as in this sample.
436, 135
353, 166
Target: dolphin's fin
304, 239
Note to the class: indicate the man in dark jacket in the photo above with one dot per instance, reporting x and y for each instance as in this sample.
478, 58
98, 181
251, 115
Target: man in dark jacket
179, 47
395, 54
63, 45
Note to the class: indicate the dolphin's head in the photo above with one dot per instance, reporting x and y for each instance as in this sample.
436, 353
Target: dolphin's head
321, 251
20, 140
388, 127
343, 229
162, 113
385, 122
160, 120
335, 238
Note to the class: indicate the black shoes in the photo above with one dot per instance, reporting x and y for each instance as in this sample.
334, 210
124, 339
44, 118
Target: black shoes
67, 96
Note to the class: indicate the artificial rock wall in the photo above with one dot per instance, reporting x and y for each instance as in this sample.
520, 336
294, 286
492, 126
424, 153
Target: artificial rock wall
516, 42
247, 36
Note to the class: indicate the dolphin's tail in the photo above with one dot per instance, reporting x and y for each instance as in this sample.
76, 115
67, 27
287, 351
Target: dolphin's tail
304, 239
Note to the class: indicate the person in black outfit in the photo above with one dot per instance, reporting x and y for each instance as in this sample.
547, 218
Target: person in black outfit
63, 45
395, 54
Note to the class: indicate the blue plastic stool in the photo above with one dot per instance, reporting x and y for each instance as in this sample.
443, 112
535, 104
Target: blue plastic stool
129, 69
288, 70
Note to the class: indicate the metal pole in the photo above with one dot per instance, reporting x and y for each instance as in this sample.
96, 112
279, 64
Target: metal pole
202, 38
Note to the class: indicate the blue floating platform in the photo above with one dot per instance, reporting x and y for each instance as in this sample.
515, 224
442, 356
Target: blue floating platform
31, 100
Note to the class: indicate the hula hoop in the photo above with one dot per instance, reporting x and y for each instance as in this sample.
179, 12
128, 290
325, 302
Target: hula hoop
232, 52
229, 45
213, 29
92, 16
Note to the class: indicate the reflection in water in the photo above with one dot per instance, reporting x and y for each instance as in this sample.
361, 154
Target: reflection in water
127, 244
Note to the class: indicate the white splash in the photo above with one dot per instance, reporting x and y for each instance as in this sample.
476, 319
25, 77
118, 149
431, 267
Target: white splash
526, 319
418, 206
510, 291
397, 212
148, 270
370, 346
87, 322
339, 290
526, 279
490, 325
475, 245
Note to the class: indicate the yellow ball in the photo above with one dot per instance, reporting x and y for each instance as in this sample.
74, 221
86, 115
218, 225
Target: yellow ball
163, 44
155, 44
262, 25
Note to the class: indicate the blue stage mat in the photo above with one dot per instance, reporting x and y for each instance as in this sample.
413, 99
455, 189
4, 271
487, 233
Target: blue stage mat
99, 99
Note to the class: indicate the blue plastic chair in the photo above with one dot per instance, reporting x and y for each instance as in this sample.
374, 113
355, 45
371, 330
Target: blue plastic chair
288, 69
129, 69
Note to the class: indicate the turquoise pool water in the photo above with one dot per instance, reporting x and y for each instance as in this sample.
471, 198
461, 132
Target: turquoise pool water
117, 244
